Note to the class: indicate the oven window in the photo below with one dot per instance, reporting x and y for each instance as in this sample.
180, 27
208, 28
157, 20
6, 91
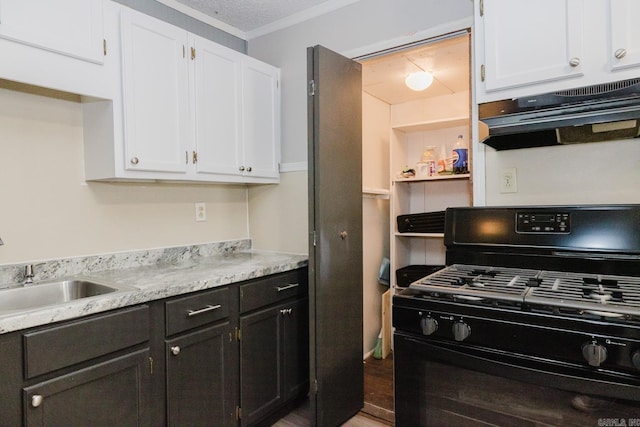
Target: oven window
436, 393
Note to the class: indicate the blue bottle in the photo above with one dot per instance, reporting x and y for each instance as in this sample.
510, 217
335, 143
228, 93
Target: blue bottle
460, 156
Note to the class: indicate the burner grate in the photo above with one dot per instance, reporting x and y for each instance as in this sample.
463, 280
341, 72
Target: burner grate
602, 295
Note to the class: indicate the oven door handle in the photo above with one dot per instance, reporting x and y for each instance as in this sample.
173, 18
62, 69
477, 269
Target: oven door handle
526, 368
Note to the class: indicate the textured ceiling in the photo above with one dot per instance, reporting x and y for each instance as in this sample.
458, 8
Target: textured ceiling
248, 15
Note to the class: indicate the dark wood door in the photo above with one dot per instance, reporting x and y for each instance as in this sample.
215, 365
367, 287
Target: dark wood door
200, 378
335, 245
295, 346
260, 364
111, 393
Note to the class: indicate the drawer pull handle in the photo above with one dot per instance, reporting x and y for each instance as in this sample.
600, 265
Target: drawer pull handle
290, 286
203, 310
175, 350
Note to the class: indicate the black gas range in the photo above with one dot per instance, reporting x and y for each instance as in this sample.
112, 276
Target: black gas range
533, 300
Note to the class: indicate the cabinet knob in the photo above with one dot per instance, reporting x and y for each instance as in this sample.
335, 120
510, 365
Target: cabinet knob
36, 400
620, 53
343, 235
175, 350
574, 62
134, 160
241, 168
248, 168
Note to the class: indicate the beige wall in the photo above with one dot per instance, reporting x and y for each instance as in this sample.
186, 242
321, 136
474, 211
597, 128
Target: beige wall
278, 214
48, 211
375, 213
605, 172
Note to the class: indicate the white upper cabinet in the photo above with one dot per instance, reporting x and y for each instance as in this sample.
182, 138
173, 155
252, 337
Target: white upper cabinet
544, 44
237, 114
624, 51
261, 118
218, 108
58, 44
155, 94
70, 27
189, 110
526, 48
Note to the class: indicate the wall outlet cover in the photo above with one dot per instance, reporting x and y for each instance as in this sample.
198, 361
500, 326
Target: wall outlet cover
201, 212
508, 180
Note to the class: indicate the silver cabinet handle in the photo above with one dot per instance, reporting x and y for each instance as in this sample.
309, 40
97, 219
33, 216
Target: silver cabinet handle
241, 168
203, 310
286, 311
36, 400
134, 160
574, 62
248, 168
290, 286
175, 350
620, 53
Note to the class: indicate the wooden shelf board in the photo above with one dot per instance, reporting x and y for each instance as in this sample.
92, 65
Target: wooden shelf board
434, 178
433, 124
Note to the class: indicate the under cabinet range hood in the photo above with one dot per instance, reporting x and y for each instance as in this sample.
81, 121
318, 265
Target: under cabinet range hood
596, 113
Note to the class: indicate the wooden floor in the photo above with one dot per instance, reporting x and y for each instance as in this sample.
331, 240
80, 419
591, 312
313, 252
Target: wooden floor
378, 399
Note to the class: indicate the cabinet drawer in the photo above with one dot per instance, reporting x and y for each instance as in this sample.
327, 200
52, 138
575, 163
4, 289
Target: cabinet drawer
271, 289
197, 310
65, 345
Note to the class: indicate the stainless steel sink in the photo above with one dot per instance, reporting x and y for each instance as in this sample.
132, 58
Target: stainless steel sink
49, 294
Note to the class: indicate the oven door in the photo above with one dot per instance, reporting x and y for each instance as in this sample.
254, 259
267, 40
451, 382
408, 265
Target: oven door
441, 383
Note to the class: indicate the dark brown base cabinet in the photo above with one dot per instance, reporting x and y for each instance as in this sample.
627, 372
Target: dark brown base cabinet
93, 371
200, 363
274, 346
227, 356
106, 394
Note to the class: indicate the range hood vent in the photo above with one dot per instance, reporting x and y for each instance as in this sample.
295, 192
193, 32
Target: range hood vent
605, 112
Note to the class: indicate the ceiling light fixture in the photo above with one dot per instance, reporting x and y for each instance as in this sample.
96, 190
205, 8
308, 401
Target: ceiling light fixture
419, 80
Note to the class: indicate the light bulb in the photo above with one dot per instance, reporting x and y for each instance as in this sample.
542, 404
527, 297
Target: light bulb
419, 80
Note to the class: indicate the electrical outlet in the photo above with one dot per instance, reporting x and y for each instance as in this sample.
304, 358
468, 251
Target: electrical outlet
508, 181
201, 212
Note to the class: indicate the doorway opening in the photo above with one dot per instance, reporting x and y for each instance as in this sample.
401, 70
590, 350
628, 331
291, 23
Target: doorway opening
399, 124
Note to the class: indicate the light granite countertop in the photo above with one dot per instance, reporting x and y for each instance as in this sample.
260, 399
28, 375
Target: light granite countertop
154, 279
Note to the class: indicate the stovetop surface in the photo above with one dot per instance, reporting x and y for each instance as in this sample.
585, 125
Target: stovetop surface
531, 289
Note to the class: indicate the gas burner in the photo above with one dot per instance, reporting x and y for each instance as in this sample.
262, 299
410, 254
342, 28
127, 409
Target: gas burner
468, 281
484, 272
601, 295
534, 282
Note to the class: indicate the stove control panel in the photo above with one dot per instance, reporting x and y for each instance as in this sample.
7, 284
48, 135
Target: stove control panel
543, 222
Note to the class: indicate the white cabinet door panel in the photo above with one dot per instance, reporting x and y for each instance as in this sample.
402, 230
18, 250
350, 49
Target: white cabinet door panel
536, 46
624, 50
156, 95
217, 93
70, 27
261, 119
